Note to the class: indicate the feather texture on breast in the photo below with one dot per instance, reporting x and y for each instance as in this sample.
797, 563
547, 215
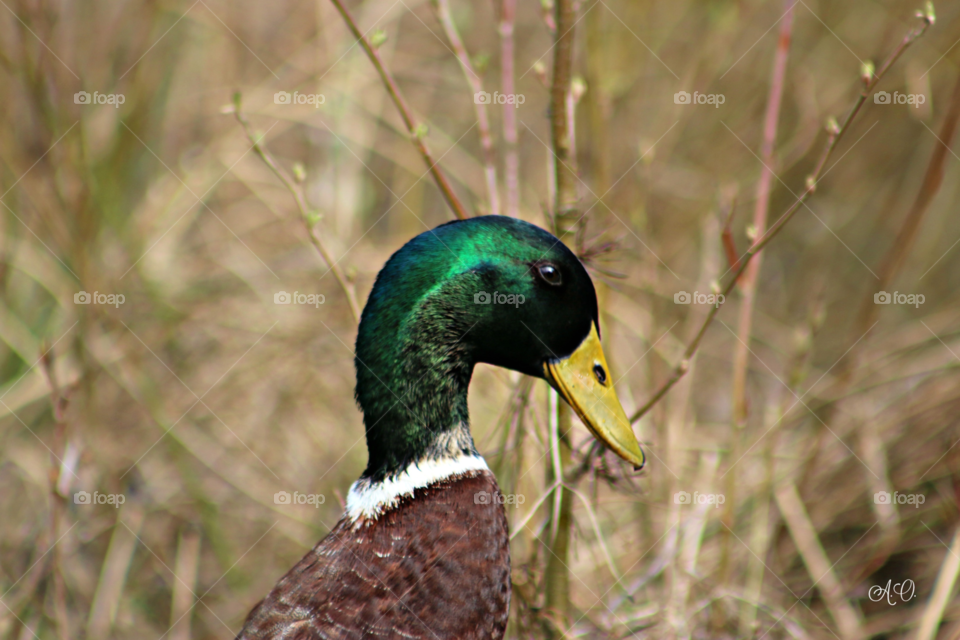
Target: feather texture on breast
435, 566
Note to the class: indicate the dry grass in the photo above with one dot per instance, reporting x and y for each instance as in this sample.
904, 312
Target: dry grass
198, 398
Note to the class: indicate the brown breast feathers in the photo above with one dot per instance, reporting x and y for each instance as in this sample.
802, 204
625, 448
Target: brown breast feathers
437, 566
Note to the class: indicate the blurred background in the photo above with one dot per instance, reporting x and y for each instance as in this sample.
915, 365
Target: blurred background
803, 477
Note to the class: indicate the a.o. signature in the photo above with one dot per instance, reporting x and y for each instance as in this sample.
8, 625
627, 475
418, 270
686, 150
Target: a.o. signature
890, 592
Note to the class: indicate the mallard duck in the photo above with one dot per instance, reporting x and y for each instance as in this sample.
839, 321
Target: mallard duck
422, 550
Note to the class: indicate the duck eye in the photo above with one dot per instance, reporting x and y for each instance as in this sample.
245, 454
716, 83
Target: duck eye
600, 373
549, 273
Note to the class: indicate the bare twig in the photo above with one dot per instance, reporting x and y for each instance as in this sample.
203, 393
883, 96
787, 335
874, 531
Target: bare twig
185, 569
764, 186
891, 265
416, 132
565, 217
556, 578
115, 570
476, 84
729, 205
932, 181
818, 565
946, 580
867, 317
565, 164
306, 218
835, 133
508, 12
748, 286
600, 540
58, 402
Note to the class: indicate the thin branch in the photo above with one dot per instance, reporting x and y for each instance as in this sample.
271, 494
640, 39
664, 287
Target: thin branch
415, 130
944, 586
476, 84
518, 527
566, 210
748, 286
596, 529
305, 217
58, 465
729, 205
819, 567
764, 187
556, 577
508, 12
835, 133
932, 180
869, 310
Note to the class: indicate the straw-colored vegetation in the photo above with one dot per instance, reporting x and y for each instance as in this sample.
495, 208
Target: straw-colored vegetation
197, 398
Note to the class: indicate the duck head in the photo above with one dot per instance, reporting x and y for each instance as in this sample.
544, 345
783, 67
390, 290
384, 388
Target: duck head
489, 289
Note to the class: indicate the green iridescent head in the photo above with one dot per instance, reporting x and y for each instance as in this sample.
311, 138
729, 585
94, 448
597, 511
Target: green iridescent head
489, 289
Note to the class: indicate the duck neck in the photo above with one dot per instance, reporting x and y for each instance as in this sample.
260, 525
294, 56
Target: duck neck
412, 379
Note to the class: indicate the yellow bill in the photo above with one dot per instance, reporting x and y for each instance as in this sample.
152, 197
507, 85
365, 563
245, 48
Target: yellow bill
583, 379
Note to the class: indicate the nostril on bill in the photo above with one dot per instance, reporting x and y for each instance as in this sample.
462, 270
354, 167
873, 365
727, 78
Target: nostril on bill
600, 373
